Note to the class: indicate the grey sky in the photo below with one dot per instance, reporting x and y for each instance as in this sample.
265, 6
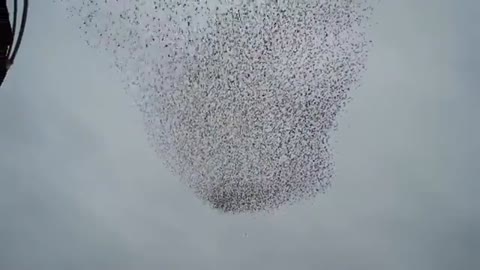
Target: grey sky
81, 189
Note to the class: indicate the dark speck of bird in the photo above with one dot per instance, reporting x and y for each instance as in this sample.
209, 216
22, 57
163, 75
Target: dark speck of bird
239, 97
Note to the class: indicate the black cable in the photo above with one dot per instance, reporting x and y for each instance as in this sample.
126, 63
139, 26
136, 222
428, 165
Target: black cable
14, 28
22, 29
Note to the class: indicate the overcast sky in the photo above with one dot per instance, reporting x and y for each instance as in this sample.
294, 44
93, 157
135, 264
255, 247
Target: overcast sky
81, 189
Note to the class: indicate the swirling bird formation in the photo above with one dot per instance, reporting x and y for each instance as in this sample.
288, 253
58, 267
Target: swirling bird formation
239, 97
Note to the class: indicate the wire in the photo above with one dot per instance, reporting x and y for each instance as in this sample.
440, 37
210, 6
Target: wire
22, 30
14, 29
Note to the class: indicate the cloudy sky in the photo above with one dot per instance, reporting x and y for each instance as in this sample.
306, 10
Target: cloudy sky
81, 189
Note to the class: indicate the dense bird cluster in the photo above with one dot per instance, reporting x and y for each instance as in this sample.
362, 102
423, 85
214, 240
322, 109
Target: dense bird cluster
239, 96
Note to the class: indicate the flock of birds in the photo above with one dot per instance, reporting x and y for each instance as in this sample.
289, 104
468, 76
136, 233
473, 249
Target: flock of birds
239, 96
